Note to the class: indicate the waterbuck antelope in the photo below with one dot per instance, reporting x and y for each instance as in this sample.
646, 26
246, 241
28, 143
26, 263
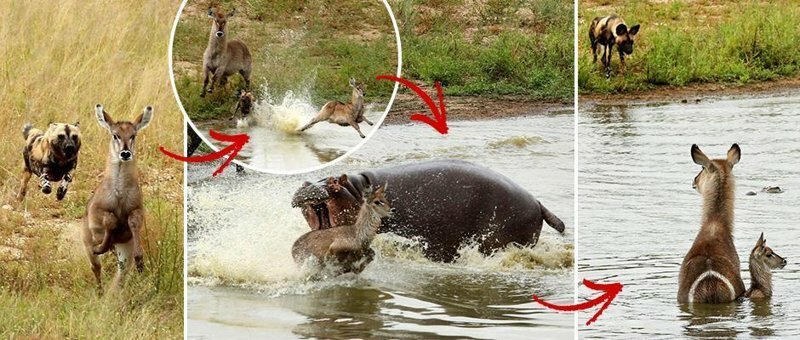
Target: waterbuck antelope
710, 271
350, 114
224, 57
611, 31
115, 215
762, 261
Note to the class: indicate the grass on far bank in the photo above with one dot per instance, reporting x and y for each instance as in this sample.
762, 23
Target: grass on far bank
56, 65
489, 47
689, 42
311, 48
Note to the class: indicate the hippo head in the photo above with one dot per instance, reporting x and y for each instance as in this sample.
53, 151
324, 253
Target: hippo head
329, 203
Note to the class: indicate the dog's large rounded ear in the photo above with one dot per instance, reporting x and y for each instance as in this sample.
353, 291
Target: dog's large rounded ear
144, 118
621, 29
734, 154
103, 117
352, 82
634, 29
77, 124
698, 156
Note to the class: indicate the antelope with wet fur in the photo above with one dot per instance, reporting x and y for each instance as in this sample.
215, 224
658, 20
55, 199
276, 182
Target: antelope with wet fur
762, 261
350, 114
115, 214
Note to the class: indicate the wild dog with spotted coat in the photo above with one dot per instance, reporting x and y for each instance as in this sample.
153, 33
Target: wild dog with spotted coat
710, 271
608, 32
51, 155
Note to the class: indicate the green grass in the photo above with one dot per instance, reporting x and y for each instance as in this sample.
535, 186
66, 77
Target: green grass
310, 48
489, 48
706, 42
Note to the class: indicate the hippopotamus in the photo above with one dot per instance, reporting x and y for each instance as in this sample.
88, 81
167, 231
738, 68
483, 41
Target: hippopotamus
443, 203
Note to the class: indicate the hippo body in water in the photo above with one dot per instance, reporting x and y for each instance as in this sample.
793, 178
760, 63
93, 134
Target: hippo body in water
445, 203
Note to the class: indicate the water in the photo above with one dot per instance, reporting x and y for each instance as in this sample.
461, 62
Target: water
277, 147
639, 213
244, 283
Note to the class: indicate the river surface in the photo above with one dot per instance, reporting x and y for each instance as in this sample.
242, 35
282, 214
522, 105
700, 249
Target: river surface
244, 283
639, 214
275, 144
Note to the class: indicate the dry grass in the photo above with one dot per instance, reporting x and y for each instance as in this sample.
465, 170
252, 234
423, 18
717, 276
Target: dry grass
55, 64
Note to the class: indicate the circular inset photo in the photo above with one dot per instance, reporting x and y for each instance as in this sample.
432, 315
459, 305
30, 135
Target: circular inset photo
298, 77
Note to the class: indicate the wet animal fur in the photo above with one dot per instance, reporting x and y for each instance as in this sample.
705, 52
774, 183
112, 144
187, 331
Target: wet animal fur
346, 246
762, 261
51, 155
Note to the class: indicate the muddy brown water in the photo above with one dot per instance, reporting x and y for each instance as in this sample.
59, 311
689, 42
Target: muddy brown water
244, 283
639, 214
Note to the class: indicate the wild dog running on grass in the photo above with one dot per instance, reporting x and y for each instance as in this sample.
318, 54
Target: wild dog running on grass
51, 155
350, 114
224, 58
611, 31
115, 214
346, 246
710, 271
762, 261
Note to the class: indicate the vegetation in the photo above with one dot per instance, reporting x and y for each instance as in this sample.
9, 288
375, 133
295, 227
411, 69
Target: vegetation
707, 41
309, 47
57, 63
489, 47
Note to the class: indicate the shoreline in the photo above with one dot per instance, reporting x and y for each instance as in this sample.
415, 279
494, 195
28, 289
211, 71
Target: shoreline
691, 93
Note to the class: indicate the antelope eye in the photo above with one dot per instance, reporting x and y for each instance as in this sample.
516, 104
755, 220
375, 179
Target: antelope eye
378, 202
116, 137
769, 255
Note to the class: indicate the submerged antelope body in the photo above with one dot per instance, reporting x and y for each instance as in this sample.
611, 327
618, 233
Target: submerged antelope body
762, 261
115, 214
346, 246
710, 271
224, 58
342, 114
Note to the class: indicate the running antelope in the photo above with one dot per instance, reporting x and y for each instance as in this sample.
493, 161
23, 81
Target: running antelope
762, 261
710, 271
115, 215
346, 246
336, 112
611, 31
224, 58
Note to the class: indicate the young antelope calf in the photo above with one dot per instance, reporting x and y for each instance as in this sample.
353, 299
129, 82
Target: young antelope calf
762, 261
115, 215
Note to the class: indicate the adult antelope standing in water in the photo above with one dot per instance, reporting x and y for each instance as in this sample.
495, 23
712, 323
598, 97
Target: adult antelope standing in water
762, 261
115, 215
222, 57
710, 271
336, 112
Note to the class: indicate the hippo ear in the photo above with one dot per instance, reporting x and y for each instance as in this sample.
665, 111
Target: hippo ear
343, 178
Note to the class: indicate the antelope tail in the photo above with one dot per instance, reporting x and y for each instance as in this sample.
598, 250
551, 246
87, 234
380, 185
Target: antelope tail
104, 246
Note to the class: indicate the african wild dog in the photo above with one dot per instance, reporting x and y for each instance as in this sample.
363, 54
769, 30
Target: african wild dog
224, 58
611, 31
115, 213
710, 271
349, 114
51, 155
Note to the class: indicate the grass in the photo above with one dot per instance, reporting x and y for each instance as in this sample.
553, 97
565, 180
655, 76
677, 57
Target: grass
56, 63
707, 41
489, 47
311, 48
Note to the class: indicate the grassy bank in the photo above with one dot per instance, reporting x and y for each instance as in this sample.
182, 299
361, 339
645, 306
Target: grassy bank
691, 42
57, 63
489, 47
309, 47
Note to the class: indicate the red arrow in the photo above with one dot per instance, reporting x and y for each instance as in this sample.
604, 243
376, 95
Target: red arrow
237, 142
439, 120
610, 291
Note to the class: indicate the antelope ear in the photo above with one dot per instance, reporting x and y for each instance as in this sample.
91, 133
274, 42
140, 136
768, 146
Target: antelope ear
621, 29
211, 13
144, 118
734, 154
634, 29
761, 241
103, 117
698, 156
232, 13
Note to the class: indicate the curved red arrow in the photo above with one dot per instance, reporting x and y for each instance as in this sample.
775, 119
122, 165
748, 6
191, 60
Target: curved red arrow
439, 120
610, 291
237, 142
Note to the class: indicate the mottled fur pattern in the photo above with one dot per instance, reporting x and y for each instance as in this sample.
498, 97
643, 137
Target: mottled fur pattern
346, 247
51, 155
608, 32
350, 114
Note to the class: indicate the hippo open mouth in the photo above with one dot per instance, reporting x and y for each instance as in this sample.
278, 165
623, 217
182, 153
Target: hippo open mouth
312, 199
